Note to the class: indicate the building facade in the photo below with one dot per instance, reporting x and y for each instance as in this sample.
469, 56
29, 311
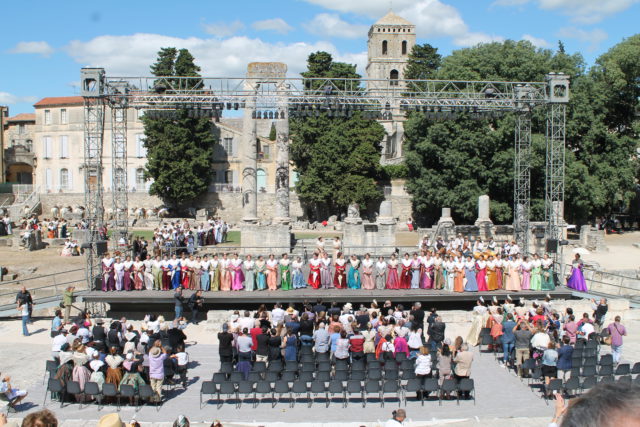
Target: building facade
18, 148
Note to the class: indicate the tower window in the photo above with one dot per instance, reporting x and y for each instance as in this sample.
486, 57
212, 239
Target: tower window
384, 47
393, 78
404, 47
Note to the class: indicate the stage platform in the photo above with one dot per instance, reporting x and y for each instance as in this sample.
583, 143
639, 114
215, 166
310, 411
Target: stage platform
162, 301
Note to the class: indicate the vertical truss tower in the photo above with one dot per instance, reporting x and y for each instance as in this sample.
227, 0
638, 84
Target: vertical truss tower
119, 107
522, 168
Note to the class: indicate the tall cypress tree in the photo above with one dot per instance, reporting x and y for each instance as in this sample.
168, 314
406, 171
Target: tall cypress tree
180, 148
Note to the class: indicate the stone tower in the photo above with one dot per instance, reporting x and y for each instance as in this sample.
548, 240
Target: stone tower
390, 42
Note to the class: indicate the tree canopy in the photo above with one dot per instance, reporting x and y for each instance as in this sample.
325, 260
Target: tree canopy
179, 149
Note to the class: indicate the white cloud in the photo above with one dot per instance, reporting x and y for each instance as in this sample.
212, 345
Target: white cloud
472, 39
538, 42
592, 38
9, 99
223, 29
131, 55
37, 48
278, 25
330, 25
582, 11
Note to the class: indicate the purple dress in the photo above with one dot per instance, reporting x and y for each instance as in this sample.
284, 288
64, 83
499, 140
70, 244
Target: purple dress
576, 281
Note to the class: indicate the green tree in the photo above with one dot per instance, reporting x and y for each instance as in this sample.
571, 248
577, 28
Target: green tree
179, 149
338, 158
423, 63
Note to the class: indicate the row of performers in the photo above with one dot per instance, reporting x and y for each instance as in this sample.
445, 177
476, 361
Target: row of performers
228, 273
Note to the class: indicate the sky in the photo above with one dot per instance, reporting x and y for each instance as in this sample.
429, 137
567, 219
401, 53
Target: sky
43, 44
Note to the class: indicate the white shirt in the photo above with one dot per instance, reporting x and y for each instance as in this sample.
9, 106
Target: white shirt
248, 264
58, 340
367, 262
277, 315
381, 265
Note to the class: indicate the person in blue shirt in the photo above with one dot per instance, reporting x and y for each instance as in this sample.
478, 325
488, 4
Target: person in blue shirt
56, 324
335, 336
508, 339
565, 354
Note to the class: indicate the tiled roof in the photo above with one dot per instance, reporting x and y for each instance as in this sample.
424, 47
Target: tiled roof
23, 117
392, 19
59, 101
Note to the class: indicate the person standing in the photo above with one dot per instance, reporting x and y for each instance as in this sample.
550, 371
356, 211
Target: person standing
157, 355
225, 344
24, 297
617, 331
23, 309
178, 300
508, 339
523, 336
599, 313
67, 300
196, 303
436, 333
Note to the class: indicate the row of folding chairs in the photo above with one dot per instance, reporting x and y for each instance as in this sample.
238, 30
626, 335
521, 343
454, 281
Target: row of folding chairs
576, 386
339, 364
290, 376
300, 389
92, 392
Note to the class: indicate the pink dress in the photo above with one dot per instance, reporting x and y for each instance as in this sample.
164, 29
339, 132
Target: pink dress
526, 278
481, 278
426, 280
237, 282
367, 275
393, 281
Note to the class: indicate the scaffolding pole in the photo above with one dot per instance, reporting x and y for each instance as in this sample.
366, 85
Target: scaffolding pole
522, 180
119, 108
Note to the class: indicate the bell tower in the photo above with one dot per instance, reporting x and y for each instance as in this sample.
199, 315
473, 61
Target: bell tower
390, 42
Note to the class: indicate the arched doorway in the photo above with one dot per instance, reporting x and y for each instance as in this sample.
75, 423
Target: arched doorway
393, 77
262, 181
20, 173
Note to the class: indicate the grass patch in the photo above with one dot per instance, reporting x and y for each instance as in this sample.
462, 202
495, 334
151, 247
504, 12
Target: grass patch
233, 237
147, 234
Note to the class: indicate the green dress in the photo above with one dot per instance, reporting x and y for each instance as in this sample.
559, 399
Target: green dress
536, 279
215, 276
285, 274
547, 278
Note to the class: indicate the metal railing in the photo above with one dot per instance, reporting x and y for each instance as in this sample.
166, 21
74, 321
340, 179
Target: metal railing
605, 282
25, 206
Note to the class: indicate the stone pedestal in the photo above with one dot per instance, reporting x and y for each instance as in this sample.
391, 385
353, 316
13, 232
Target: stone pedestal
483, 212
374, 238
265, 239
385, 214
446, 225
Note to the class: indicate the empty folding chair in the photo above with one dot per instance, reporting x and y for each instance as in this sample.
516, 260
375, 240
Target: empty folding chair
127, 391
536, 375
322, 357
408, 374
207, 387
589, 361
622, 369
625, 379
430, 385
571, 385
219, 377
275, 366
636, 380
555, 385
606, 380
575, 371
391, 366
271, 377
288, 376
305, 376
577, 352
245, 389
448, 386
291, 366
92, 391
358, 365
336, 387
254, 377
372, 387
307, 358
324, 366
259, 367
485, 340
298, 388
342, 364
391, 375
109, 390
49, 370
323, 376
466, 385
636, 368
374, 364
316, 388
588, 383
576, 361
354, 387
280, 388
374, 374
588, 371
341, 375
226, 388
306, 350
605, 359
528, 366
146, 394
236, 377
389, 387
414, 385
308, 367
371, 357
407, 365
263, 388
605, 370
358, 375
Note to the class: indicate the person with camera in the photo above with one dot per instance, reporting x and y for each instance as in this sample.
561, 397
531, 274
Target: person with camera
397, 418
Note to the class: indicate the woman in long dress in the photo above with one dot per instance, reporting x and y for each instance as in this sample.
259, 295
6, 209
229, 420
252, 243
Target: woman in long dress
272, 273
237, 276
353, 277
326, 279
165, 265
405, 275
536, 273
369, 339
426, 278
185, 272
215, 273
481, 275
438, 276
470, 274
261, 273
500, 271
108, 273
138, 274
340, 277
314, 271
285, 273
225, 273
127, 280
513, 275
576, 280
451, 274
492, 275
337, 246
118, 267
297, 276
147, 275
459, 271
547, 274
480, 316
205, 279
381, 272
249, 275
196, 274
367, 273
393, 281
526, 274
415, 272
174, 262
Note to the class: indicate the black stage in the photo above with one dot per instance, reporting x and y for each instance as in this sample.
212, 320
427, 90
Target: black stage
140, 302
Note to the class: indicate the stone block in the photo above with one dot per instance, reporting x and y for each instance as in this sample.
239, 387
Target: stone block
265, 238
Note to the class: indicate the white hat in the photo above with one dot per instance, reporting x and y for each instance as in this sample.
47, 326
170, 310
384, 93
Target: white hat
509, 297
481, 299
495, 299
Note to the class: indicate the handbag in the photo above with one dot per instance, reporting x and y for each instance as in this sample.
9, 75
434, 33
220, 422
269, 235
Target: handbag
607, 340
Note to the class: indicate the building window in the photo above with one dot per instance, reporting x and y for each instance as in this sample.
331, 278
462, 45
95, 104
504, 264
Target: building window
47, 179
227, 144
64, 179
21, 129
140, 181
393, 77
64, 147
141, 150
266, 151
228, 177
384, 47
47, 117
404, 47
29, 145
46, 147
63, 116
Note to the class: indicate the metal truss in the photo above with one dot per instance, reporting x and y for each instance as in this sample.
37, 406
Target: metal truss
522, 180
119, 106
554, 182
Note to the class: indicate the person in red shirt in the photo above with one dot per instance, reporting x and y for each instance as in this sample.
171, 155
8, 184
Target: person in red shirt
538, 319
357, 345
254, 332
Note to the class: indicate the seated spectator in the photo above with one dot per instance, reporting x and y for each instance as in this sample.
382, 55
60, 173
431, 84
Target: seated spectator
423, 368
14, 395
356, 345
322, 339
463, 361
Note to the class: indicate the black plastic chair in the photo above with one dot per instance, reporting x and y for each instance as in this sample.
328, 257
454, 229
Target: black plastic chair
414, 385
336, 387
254, 377
226, 388
571, 385
606, 359
589, 361
291, 366
430, 385
323, 376
298, 388
407, 365
305, 376
307, 358
288, 376
110, 390
354, 387
636, 368
485, 340
588, 383
55, 386
280, 388
219, 377
324, 366
388, 387
358, 365
555, 385
391, 375
92, 390
391, 366
374, 374
605, 370
127, 390
448, 386
245, 389
401, 357
358, 375
622, 369
341, 376
374, 364
226, 367
73, 388
606, 380
372, 387
318, 387
146, 394
236, 377
466, 385
636, 380
50, 368
625, 380
342, 364
271, 377
322, 357
308, 367
588, 371
259, 367
275, 366
528, 365
263, 388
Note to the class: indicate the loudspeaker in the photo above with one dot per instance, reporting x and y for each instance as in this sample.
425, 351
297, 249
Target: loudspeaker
552, 246
86, 245
101, 247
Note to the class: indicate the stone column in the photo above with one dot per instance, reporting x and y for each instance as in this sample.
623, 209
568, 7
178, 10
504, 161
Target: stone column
282, 161
483, 211
249, 161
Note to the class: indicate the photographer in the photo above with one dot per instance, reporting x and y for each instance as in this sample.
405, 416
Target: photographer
196, 303
398, 417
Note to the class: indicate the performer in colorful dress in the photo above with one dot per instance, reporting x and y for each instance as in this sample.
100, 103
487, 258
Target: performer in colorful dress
492, 275
393, 280
297, 276
127, 279
353, 277
459, 279
536, 273
481, 275
339, 276
381, 273
547, 274
314, 278
513, 275
415, 272
118, 266
470, 274
438, 275
196, 273
185, 271
205, 279
426, 277
108, 274
525, 267
156, 271
237, 277
225, 273
138, 274
405, 275
576, 280
500, 271
285, 273
261, 275
215, 273
175, 272
272, 273
326, 279
450, 267
249, 273
165, 265
367, 273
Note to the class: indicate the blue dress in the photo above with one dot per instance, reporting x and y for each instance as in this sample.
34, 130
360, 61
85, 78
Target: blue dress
470, 275
353, 277
205, 280
298, 279
175, 280
415, 277
291, 350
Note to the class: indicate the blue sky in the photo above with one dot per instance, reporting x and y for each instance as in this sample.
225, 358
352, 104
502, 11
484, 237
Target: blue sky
44, 44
